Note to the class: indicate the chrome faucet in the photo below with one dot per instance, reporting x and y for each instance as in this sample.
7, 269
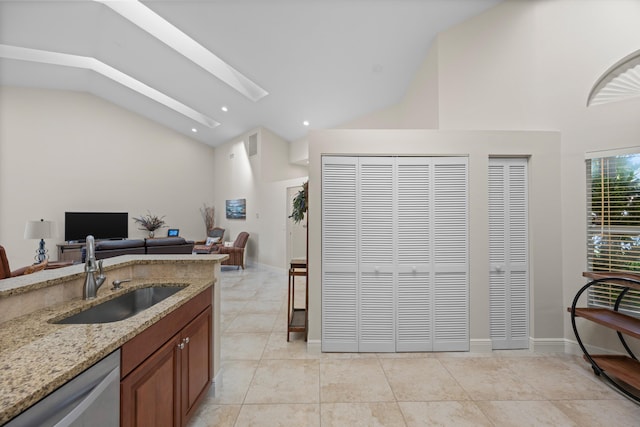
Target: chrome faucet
91, 282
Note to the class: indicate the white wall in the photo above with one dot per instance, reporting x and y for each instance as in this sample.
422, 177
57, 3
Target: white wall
543, 149
527, 65
262, 180
531, 65
236, 176
68, 151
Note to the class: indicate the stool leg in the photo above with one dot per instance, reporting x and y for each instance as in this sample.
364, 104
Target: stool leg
289, 311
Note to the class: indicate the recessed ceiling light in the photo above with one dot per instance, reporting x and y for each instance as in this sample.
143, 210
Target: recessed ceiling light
306, 123
194, 130
225, 108
90, 63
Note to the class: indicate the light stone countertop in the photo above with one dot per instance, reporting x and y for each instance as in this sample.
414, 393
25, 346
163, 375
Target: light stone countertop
37, 357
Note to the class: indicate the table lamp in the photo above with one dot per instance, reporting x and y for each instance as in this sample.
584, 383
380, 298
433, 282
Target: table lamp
39, 230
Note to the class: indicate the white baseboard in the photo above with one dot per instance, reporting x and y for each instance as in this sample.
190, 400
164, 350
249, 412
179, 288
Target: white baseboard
480, 345
536, 345
547, 345
572, 347
216, 382
314, 346
266, 267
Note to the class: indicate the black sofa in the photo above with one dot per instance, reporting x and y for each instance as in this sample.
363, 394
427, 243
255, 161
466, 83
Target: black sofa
164, 245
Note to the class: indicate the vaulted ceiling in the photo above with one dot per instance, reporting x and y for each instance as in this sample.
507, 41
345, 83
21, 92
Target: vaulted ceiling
272, 63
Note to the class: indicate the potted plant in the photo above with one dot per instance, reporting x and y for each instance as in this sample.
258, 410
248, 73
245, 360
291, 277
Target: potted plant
150, 223
300, 204
208, 216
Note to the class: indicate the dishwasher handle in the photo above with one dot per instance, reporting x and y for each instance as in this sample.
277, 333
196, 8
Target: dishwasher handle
92, 397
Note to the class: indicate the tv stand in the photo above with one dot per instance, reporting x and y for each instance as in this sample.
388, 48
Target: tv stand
70, 252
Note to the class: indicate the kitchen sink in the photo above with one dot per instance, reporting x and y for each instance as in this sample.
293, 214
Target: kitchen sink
123, 306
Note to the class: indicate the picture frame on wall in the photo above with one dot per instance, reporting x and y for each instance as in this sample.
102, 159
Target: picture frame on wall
236, 209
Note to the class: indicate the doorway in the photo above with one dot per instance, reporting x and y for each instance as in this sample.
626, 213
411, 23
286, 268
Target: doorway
296, 233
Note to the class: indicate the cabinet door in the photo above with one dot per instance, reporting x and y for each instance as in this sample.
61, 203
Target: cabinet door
196, 362
150, 393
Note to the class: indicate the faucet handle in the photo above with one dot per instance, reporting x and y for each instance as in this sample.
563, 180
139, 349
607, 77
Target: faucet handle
117, 283
100, 267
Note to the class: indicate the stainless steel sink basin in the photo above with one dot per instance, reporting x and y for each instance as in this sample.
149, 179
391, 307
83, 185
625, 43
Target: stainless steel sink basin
123, 306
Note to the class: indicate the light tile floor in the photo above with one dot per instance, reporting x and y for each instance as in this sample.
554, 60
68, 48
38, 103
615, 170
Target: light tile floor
268, 381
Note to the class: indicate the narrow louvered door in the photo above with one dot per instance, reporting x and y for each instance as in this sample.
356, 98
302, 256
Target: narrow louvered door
339, 255
508, 253
376, 232
450, 254
414, 308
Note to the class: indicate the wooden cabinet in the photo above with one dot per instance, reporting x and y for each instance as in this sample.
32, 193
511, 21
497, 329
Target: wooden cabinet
149, 394
195, 363
164, 379
70, 252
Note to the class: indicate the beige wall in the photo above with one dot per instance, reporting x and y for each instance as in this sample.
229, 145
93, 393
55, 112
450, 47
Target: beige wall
262, 180
543, 149
68, 151
531, 65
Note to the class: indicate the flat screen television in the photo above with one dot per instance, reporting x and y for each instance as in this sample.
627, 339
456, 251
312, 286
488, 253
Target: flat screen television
101, 225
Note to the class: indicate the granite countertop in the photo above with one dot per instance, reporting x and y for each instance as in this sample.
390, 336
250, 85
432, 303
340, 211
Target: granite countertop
37, 357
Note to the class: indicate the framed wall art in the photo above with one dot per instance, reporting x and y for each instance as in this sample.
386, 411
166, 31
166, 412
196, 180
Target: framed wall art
236, 209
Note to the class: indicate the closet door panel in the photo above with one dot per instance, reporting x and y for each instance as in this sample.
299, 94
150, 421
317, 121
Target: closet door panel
518, 265
451, 254
497, 255
414, 283
414, 312
377, 332
508, 253
377, 255
451, 314
339, 254
339, 312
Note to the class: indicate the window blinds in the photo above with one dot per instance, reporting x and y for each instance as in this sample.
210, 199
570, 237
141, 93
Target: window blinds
613, 224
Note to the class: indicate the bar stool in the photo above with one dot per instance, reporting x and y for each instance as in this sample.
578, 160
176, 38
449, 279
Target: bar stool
298, 317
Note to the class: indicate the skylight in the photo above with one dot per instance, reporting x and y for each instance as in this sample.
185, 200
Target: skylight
173, 37
89, 63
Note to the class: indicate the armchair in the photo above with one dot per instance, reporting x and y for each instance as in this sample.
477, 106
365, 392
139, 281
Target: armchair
211, 244
217, 232
5, 271
235, 252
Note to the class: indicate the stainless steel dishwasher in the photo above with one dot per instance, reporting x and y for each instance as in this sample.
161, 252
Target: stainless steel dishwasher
90, 399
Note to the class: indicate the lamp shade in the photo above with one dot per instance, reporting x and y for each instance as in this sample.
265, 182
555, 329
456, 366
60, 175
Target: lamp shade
38, 229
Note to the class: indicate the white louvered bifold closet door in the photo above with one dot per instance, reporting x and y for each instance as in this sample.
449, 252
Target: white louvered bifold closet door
508, 253
451, 254
377, 255
414, 260
339, 255
395, 254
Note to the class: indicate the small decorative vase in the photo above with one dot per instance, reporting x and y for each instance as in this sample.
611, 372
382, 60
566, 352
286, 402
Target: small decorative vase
151, 234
